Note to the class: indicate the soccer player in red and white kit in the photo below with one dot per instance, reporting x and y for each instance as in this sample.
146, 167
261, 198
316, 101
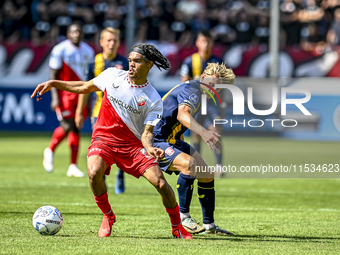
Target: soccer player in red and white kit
68, 62
130, 110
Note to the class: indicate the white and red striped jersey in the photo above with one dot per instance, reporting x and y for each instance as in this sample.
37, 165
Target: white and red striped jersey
72, 63
125, 108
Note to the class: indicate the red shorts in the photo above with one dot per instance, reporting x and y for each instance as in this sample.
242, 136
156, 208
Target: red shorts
68, 104
131, 159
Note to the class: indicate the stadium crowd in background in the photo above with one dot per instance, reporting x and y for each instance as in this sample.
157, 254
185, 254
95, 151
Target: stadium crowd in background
173, 24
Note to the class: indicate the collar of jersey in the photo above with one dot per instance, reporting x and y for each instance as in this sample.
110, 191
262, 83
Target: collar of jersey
136, 86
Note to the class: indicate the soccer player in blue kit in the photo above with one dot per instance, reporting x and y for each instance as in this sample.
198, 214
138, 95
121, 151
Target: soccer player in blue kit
192, 68
181, 104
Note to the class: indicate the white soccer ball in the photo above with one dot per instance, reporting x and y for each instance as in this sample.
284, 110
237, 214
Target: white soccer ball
47, 220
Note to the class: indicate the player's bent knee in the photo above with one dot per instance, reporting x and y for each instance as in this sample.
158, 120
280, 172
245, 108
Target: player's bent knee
189, 166
95, 168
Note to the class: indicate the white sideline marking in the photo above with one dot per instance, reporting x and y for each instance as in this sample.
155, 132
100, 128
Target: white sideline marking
196, 207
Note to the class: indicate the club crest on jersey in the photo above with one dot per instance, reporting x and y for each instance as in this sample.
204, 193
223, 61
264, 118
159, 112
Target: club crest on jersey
193, 98
170, 151
115, 86
141, 101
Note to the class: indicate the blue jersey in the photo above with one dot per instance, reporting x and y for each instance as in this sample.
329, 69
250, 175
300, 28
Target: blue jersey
169, 129
193, 66
100, 64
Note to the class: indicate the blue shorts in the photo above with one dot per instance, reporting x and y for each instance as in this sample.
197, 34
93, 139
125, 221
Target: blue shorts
171, 152
213, 112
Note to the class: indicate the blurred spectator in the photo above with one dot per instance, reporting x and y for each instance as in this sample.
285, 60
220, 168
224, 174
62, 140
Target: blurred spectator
43, 31
310, 38
152, 27
261, 34
200, 21
180, 32
312, 33
172, 25
61, 18
223, 32
90, 28
113, 18
189, 7
16, 21
244, 27
334, 31
312, 13
290, 21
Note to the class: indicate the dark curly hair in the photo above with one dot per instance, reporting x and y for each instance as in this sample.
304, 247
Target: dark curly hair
150, 53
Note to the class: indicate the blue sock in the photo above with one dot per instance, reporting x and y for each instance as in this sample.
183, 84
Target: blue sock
206, 195
185, 187
120, 173
218, 155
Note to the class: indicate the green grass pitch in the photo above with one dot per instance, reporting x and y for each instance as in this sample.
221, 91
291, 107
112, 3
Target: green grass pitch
269, 215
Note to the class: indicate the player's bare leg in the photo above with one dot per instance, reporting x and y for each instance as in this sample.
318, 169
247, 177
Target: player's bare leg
155, 176
96, 168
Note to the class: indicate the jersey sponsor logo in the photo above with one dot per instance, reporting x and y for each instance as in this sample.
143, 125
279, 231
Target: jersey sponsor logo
193, 98
123, 105
141, 101
114, 86
170, 151
94, 149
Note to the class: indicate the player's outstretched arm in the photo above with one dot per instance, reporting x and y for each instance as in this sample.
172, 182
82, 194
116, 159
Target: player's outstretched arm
147, 141
78, 87
211, 138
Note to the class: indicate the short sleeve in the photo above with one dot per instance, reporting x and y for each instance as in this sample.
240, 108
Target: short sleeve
101, 80
56, 61
189, 97
185, 68
155, 114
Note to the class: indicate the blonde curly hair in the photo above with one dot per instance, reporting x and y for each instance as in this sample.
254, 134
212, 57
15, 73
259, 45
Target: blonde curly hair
226, 75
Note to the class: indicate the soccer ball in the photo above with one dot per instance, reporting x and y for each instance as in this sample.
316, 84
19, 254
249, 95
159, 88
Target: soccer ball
47, 220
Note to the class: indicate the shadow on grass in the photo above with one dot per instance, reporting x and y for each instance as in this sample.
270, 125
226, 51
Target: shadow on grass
270, 238
245, 238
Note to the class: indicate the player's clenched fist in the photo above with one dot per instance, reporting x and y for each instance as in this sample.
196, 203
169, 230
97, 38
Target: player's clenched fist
156, 153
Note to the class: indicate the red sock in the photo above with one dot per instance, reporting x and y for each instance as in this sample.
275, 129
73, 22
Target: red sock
73, 142
57, 137
103, 204
174, 216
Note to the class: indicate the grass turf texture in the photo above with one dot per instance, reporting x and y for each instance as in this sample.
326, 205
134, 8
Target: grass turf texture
269, 216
